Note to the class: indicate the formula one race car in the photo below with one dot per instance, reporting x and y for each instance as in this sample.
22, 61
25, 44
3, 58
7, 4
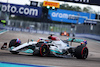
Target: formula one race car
49, 46
64, 34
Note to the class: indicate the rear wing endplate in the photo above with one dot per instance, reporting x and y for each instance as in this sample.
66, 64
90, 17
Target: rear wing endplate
75, 40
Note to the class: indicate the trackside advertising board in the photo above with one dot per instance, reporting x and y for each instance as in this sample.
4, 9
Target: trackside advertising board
21, 10
51, 4
69, 16
91, 2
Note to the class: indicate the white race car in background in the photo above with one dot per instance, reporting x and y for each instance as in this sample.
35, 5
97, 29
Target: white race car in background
49, 46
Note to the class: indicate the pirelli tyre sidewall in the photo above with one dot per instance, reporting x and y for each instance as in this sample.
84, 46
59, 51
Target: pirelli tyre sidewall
44, 50
13, 43
81, 52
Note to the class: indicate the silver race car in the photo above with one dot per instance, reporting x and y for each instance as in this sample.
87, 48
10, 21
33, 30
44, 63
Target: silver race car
49, 46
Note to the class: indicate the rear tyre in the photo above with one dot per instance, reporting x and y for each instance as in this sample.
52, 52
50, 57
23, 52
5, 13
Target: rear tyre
81, 52
44, 50
13, 43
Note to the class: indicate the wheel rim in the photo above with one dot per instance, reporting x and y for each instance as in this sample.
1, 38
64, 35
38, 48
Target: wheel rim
44, 50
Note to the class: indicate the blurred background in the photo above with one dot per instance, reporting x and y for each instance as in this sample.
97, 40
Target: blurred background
51, 16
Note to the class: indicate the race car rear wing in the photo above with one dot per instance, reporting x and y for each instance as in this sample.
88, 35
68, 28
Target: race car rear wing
75, 40
81, 41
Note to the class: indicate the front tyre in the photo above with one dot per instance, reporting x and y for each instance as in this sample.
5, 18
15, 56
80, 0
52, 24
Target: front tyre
44, 50
81, 52
14, 43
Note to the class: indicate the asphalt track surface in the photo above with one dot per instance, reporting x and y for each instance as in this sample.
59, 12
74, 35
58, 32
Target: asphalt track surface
93, 59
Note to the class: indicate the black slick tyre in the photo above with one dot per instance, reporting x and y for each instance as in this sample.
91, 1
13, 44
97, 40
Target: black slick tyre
44, 50
81, 52
13, 43
36, 51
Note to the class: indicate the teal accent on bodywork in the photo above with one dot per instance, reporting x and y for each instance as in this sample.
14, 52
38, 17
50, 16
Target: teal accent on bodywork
56, 51
28, 51
11, 48
31, 47
75, 40
32, 40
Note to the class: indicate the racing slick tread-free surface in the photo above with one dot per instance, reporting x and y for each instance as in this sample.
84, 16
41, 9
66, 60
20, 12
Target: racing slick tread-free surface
81, 52
44, 50
14, 44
